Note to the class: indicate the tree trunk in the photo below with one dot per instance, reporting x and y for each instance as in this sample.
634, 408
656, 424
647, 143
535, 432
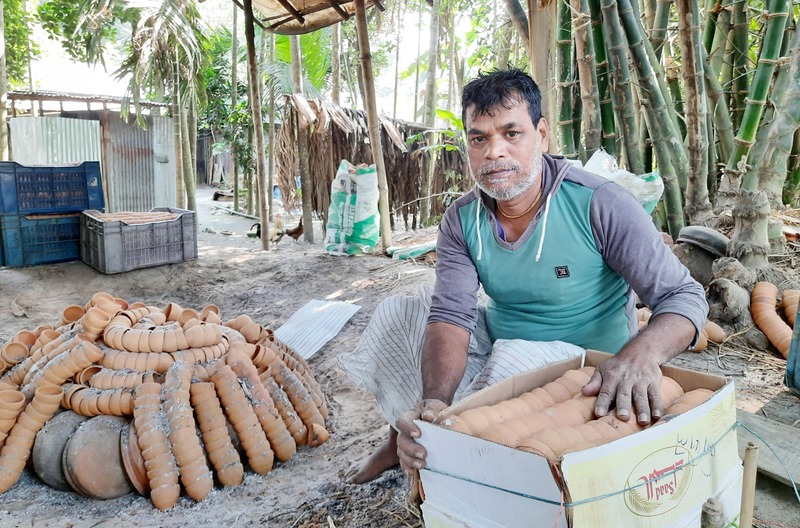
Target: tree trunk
722, 118
621, 73
658, 34
698, 205
722, 26
587, 77
757, 98
543, 18
180, 195
258, 120
234, 98
189, 178
773, 165
3, 91
749, 242
740, 59
373, 123
302, 142
520, 21
335, 74
271, 114
566, 81
416, 70
609, 139
429, 115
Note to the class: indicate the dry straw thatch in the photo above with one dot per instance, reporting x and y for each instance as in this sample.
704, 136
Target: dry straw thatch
342, 134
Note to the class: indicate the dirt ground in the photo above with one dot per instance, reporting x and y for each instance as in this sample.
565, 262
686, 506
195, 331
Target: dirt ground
233, 273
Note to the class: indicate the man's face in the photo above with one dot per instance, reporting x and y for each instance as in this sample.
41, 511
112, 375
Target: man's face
505, 150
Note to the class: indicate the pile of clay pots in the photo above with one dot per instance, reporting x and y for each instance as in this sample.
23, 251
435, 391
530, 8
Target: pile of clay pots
118, 397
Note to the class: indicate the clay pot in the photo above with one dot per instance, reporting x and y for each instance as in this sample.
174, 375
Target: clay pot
12, 402
238, 322
170, 341
194, 335
92, 461
123, 304
95, 321
144, 342
186, 315
156, 340
45, 336
26, 337
210, 310
132, 459
173, 312
13, 352
130, 341
49, 448
251, 332
136, 305
71, 313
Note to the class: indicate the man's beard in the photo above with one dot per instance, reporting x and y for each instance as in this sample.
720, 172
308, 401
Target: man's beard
505, 194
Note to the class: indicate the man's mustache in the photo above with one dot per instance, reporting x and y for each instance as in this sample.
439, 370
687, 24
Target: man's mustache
498, 166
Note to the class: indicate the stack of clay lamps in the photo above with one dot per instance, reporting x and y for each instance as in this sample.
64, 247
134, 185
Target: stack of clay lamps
183, 376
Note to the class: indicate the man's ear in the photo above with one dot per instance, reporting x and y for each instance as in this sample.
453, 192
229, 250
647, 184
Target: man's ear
543, 128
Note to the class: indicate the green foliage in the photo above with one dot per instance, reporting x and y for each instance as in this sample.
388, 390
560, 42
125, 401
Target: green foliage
447, 139
61, 20
315, 56
18, 35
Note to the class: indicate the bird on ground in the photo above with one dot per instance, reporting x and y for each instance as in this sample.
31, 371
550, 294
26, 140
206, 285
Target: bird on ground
296, 232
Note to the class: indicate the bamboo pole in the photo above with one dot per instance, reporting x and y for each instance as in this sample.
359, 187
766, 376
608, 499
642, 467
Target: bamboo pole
770, 46
666, 142
271, 140
722, 118
722, 28
587, 76
234, 102
672, 72
658, 35
698, 205
772, 166
603, 85
543, 16
258, 117
739, 74
749, 485
621, 74
373, 123
791, 188
566, 80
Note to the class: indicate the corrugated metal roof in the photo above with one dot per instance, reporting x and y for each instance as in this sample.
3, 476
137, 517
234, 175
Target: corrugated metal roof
54, 140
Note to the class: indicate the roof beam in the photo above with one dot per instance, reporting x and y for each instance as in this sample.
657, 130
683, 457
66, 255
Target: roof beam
292, 11
257, 21
336, 7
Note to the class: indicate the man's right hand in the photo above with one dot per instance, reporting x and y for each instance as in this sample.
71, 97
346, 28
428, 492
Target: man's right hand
411, 454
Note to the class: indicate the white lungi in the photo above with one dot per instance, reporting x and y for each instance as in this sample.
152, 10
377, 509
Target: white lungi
387, 360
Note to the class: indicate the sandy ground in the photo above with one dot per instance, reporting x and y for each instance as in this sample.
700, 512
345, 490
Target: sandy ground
233, 273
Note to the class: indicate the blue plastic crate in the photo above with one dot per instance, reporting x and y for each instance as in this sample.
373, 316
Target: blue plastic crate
115, 247
46, 190
29, 240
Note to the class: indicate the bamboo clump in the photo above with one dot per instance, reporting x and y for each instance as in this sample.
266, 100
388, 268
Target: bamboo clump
181, 375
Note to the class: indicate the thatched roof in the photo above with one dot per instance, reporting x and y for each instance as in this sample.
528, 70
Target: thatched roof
335, 133
294, 17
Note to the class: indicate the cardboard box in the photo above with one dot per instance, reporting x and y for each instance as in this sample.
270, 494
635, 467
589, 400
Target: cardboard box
659, 477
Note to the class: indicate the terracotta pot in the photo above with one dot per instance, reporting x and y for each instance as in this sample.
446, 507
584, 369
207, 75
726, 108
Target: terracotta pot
136, 305
156, 340
47, 399
132, 459
194, 335
212, 318
11, 403
186, 315
45, 336
173, 312
181, 339
130, 340
251, 332
238, 322
49, 447
208, 310
92, 459
170, 341
95, 321
84, 376
157, 317
144, 342
72, 313
123, 304
13, 352
26, 337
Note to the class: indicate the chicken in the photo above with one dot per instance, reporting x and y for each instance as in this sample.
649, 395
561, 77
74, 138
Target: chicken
296, 232
276, 232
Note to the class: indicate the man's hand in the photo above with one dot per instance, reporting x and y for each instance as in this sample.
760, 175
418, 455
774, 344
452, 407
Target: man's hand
411, 454
629, 382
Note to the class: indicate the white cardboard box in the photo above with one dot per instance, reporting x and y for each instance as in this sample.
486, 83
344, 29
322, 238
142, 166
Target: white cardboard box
658, 478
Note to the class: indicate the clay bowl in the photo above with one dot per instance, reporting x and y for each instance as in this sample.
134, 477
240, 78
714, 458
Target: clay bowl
133, 460
49, 447
92, 462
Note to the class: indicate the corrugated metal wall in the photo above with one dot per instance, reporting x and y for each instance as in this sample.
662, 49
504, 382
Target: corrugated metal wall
54, 140
138, 164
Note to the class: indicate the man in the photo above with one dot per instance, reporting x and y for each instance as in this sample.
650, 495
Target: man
558, 251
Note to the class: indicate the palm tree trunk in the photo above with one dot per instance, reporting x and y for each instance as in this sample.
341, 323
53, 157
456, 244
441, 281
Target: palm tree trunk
258, 117
520, 21
271, 114
180, 195
698, 205
566, 80
189, 178
587, 76
773, 164
757, 97
621, 73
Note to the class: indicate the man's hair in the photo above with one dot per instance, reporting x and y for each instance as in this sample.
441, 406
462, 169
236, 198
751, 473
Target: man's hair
501, 87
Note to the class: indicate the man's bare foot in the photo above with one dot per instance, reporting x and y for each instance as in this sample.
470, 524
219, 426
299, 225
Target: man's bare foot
384, 458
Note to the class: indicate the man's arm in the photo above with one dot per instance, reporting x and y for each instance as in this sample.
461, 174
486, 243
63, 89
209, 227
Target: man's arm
444, 360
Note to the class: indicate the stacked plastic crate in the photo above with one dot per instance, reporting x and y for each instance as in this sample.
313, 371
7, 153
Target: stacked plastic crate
40, 211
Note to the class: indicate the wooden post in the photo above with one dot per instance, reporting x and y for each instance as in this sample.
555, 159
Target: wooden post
373, 123
749, 485
543, 30
3, 91
258, 119
302, 139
